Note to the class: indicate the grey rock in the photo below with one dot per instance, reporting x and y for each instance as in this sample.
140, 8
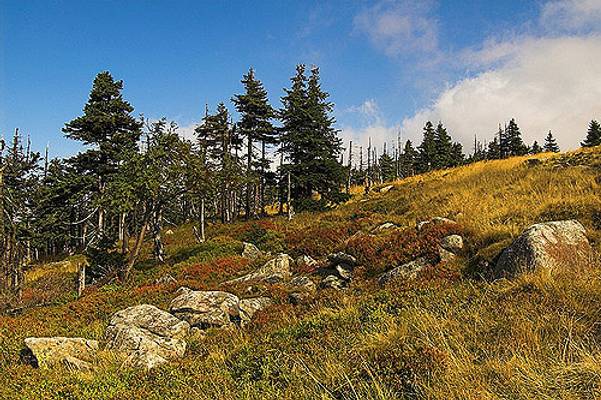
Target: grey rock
341, 258
250, 251
386, 189
452, 243
434, 221
406, 271
553, 246
273, 271
49, 352
445, 255
206, 309
305, 261
146, 335
165, 280
384, 227
248, 307
304, 283
333, 282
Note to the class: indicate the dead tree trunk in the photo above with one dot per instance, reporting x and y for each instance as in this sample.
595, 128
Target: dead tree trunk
81, 279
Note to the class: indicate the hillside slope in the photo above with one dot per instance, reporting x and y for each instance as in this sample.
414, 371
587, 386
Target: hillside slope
449, 334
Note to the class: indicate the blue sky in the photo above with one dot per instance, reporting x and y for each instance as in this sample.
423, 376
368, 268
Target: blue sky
388, 65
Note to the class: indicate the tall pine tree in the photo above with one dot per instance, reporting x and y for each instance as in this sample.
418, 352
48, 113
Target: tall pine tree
255, 126
108, 126
310, 141
551, 144
444, 145
593, 136
427, 149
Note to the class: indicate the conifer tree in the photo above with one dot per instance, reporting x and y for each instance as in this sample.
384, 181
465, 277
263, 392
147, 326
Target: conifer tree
456, 156
513, 139
255, 126
427, 149
309, 140
551, 144
494, 150
443, 143
387, 167
408, 160
18, 184
593, 136
108, 126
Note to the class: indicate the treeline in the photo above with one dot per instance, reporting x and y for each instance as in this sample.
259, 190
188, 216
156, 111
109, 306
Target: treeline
438, 151
136, 176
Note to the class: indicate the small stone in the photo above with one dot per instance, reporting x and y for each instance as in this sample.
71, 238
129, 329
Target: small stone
386, 189
385, 226
273, 271
407, 271
452, 243
343, 258
435, 221
333, 282
206, 309
305, 261
250, 251
304, 283
165, 280
343, 273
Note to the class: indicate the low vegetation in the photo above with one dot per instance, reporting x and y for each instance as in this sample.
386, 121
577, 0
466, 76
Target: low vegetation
450, 334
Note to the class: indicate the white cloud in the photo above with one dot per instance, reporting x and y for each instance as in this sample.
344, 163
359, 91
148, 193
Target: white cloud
187, 131
548, 78
399, 27
546, 84
372, 127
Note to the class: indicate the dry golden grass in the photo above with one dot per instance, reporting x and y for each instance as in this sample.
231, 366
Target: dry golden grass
534, 337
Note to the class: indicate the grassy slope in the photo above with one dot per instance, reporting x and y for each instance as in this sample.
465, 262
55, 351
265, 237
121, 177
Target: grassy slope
448, 335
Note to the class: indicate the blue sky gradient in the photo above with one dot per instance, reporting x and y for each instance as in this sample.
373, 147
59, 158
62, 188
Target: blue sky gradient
175, 56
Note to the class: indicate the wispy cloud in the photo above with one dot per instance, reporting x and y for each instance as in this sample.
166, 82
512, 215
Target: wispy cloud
571, 15
400, 27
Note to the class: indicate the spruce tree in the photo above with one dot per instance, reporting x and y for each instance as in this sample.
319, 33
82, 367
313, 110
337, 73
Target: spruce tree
408, 160
427, 149
108, 126
535, 148
593, 136
513, 137
494, 150
387, 167
310, 141
443, 143
456, 156
255, 126
551, 144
